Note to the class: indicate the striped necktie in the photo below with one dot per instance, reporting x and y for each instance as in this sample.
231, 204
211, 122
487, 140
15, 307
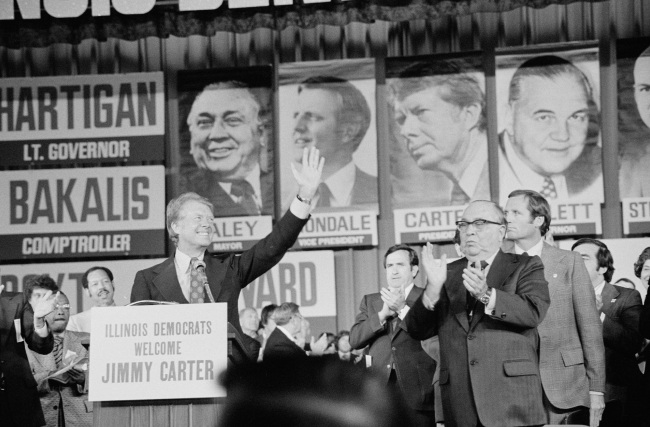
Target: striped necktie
58, 350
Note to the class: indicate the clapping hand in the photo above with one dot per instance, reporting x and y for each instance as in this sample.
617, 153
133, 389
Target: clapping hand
436, 271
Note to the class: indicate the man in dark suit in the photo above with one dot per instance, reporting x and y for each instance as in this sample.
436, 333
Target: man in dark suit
282, 342
190, 226
19, 323
487, 325
396, 355
333, 116
227, 125
572, 354
620, 311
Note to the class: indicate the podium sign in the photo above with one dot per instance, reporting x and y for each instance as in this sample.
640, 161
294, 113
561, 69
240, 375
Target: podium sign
158, 352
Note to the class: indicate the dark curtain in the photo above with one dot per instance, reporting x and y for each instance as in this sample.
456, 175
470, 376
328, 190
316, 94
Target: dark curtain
167, 20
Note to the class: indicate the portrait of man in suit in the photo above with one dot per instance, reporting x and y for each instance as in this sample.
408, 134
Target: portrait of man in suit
227, 125
634, 174
550, 137
333, 115
620, 312
193, 275
396, 356
439, 108
571, 349
485, 309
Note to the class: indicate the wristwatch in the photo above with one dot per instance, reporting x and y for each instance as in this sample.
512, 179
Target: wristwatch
307, 201
485, 298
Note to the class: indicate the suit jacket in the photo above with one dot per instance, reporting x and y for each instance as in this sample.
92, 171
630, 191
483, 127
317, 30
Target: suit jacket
20, 394
489, 368
77, 410
279, 346
622, 308
365, 190
572, 354
583, 176
206, 184
227, 273
413, 366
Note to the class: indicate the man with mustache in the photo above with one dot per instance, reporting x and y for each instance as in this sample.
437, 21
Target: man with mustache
440, 110
63, 397
227, 125
98, 283
550, 138
333, 116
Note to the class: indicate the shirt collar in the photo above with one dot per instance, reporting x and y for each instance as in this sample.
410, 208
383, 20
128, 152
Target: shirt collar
529, 178
489, 259
408, 289
183, 260
340, 184
599, 288
472, 173
535, 250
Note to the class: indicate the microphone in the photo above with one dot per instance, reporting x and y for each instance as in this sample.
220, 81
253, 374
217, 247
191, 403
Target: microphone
200, 268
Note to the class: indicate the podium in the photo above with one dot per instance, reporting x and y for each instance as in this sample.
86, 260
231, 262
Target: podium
171, 412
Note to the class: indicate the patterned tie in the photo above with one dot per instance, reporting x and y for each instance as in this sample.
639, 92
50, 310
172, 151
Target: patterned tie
471, 301
245, 194
458, 196
324, 196
548, 189
58, 350
196, 283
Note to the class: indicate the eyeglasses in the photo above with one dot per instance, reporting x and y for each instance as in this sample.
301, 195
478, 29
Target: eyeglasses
63, 306
479, 224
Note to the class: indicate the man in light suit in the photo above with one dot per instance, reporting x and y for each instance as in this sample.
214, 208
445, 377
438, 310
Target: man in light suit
19, 403
572, 354
190, 225
334, 116
620, 311
486, 324
396, 356
63, 397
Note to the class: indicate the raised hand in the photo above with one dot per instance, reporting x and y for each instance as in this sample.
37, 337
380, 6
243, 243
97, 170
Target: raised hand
436, 271
44, 306
308, 177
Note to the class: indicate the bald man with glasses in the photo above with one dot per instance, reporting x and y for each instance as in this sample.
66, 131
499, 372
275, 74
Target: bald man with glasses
485, 309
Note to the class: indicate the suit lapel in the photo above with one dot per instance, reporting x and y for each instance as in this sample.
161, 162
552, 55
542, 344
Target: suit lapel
167, 282
501, 268
457, 292
8, 312
609, 296
215, 277
411, 298
551, 258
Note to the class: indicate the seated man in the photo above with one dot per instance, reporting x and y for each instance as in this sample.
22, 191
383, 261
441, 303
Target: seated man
63, 397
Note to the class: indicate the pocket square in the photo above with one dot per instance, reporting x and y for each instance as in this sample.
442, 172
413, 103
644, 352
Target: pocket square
614, 300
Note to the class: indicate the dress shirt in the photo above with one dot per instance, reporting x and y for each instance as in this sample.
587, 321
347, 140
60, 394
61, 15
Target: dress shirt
253, 179
527, 177
340, 184
183, 270
599, 292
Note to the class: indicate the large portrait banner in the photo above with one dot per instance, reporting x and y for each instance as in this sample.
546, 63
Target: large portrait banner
633, 78
226, 141
438, 142
82, 212
331, 105
548, 109
82, 119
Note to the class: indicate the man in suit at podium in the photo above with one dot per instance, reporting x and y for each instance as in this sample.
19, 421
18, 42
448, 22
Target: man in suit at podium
190, 218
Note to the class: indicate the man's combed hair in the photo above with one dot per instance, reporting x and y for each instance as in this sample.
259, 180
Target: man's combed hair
285, 312
537, 206
175, 206
604, 256
84, 278
413, 256
638, 265
43, 281
353, 106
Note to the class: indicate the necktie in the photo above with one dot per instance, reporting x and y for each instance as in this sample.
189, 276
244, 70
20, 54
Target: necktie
245, 194
471, 301
58, 350
458, 196
548, 189
196, 283
324, 196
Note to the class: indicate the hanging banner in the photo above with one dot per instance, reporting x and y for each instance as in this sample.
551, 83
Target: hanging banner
426, 224
339, 229
633, 74
86, 119
575, 219
438, 140
548, 116
226, 138
636, 215
158, 352
239, 234
85, 212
